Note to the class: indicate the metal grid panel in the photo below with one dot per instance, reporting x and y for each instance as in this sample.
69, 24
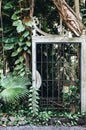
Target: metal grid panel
59, 67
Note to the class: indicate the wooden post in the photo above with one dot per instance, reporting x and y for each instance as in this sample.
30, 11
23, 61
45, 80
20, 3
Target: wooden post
83, 73
33, 63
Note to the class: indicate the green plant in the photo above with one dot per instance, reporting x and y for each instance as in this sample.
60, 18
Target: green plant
33, 101
44, 117
17, 36
83, 12
71, 97
13, 88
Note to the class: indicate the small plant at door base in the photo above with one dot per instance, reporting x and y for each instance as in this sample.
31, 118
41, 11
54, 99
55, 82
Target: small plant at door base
71, 98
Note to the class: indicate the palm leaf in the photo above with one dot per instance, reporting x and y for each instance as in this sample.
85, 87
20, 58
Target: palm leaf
13, 88
11, 81
13, 94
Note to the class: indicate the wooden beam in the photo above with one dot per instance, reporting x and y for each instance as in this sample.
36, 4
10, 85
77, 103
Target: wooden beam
83, 74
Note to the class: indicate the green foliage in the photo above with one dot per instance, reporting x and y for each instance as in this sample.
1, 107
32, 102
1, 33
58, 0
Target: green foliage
71, 94
19, 26
17, 35
13, 88
44, 117
83, 13
33, 100
49, 16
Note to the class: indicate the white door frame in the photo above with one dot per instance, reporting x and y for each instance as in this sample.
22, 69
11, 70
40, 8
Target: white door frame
47, 39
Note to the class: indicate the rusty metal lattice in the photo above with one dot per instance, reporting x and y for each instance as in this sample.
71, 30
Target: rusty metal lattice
59, 67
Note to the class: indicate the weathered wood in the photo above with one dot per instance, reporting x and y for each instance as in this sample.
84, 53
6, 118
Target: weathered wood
83, 74
69, 17
33, 63
31, 8
48, 39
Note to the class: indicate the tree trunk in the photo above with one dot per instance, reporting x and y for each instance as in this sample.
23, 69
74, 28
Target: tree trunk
69, 17
76, 2
31, 8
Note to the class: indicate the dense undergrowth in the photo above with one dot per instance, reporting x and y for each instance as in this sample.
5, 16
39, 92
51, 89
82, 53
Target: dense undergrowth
24, 117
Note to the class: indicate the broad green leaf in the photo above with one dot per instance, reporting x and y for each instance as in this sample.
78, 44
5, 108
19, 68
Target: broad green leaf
15, 17
28, 38
23, 73
28, 23
26, 33
9, 46
19, 49
19, 67
8, 6
17, 61
21, 59
10, 39
19, 25
20, 28
15, 53
21, 43
22, 70
25, 48
29, 52
21, 39
83, 9
28, 44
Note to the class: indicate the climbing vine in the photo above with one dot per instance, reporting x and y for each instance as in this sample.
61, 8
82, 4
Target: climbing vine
17, 35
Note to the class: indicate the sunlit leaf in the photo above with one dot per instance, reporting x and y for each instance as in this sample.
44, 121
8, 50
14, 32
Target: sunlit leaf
25, 48
15, 53
19, 25
28, 44
19, 49
29, 23
8, 6
20, 28
26, 33
15, 17
19, 67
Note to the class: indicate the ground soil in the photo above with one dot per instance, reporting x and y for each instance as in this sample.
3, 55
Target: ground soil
80, 122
